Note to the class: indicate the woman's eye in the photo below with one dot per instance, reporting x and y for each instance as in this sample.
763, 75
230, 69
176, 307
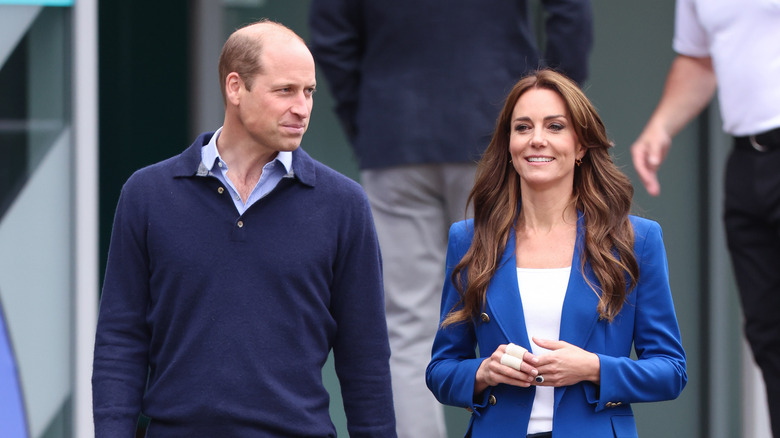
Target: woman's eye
556, 127
522, 128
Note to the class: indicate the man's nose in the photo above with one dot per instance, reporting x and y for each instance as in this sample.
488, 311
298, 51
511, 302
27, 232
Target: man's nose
301, 105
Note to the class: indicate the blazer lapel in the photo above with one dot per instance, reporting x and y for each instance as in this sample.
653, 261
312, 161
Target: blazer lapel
503, 297
579, 315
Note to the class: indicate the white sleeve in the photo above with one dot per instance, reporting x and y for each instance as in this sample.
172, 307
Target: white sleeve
690, 37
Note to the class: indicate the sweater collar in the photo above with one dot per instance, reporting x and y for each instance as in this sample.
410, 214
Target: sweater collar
189, 162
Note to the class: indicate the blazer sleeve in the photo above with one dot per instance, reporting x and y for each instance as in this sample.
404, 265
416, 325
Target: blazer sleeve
337, 44
569, 32
659, 372
452, 371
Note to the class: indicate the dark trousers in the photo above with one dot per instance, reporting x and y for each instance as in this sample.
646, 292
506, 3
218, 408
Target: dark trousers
752, 219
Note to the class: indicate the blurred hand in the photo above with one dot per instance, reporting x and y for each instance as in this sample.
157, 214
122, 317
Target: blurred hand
648, 152
566, 364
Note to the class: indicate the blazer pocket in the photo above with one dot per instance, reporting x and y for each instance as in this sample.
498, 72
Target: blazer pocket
624, 426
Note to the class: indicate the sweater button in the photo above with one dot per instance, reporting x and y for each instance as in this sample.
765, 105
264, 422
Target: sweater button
240, 224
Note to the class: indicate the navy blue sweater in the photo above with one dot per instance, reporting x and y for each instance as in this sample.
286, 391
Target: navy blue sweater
233, 317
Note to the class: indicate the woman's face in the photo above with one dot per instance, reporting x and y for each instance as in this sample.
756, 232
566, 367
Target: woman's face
542, 141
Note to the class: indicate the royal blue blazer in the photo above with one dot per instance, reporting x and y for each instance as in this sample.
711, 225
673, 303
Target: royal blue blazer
647, 321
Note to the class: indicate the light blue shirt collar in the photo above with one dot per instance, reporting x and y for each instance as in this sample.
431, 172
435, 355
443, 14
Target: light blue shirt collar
210, 153
273, 172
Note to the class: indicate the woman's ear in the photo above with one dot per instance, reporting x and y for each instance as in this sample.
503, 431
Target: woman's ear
581, 151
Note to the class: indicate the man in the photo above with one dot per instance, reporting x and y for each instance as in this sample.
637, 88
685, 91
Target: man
236, 267
418, 86
733, 46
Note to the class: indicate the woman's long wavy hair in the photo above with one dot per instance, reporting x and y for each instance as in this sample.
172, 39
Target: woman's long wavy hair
602, 193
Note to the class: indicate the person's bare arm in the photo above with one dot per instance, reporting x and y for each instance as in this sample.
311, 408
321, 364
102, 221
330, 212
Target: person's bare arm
689, 87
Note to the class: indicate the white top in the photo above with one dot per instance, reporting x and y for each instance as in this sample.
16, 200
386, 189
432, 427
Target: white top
542, 292
743, 39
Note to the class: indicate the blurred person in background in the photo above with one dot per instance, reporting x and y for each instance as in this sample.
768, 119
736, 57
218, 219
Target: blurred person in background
417, 87
733, 47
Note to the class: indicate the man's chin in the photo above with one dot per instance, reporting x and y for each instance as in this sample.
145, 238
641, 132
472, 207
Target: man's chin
289, 147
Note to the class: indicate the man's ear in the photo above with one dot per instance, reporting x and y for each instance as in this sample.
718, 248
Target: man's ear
233, 85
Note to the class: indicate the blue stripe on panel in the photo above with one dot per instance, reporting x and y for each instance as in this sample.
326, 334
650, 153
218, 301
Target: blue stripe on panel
12, 413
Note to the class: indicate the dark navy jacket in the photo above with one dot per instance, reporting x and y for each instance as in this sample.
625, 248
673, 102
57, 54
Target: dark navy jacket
423, 81
233, 316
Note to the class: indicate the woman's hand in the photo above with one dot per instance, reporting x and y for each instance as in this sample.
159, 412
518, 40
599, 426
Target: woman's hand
565, 364
491, 371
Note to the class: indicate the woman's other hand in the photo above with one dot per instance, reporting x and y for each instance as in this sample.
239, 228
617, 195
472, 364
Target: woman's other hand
565, 364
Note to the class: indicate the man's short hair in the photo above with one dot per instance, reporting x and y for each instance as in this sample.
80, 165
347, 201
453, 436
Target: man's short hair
241, 53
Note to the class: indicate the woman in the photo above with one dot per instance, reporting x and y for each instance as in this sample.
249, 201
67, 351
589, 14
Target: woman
553, 263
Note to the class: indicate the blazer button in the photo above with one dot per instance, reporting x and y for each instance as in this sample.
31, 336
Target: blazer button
484, 316
492, 400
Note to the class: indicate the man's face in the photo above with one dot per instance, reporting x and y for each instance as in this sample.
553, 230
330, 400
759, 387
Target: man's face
275, 112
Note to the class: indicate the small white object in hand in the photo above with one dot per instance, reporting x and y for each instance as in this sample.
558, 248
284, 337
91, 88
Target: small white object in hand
511, 361
516, 350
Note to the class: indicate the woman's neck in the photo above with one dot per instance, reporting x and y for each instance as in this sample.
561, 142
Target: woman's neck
544, 214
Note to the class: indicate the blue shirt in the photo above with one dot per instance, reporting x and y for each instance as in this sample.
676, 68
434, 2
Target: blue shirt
273, 172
